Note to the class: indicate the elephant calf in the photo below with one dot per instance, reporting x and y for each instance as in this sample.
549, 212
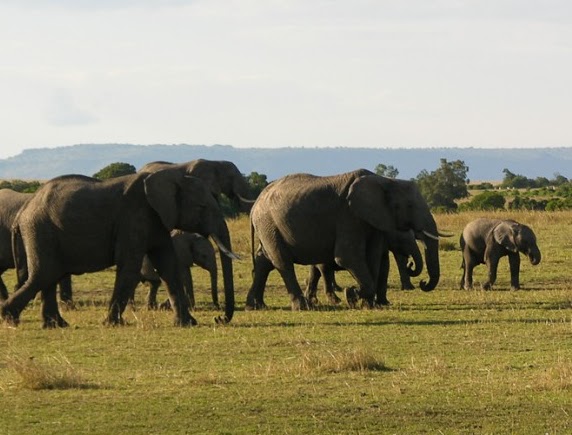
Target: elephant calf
191, 248
485, 241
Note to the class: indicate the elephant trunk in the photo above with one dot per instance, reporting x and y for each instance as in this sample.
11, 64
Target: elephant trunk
416, 267
534, 256
431, 259
222, 240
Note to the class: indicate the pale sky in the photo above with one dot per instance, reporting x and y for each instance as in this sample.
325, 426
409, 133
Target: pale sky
275, 73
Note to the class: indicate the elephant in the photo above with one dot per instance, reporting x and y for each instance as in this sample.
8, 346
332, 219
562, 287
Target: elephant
400, 243
191, 248
485, 241
10, 203
223, 177
76, 224
308, 219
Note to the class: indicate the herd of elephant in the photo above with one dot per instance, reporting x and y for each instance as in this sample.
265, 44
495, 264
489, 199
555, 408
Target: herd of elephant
154, 224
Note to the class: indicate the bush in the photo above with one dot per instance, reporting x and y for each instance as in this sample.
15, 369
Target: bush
485, 201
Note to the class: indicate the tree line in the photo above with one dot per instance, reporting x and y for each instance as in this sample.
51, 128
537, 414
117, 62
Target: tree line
446, 189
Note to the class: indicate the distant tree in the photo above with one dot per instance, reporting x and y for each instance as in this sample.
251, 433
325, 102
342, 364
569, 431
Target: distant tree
20, 185
115, 170
257, 182
489, 200
446, 184
559, 180
388, 171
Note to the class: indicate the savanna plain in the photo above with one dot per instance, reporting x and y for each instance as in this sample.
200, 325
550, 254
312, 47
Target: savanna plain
449, 361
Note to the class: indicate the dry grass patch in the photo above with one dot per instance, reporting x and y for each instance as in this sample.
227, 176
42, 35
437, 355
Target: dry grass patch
53, 373
352, 360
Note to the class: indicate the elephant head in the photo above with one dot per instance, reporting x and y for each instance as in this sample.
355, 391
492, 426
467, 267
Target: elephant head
184, 202
388, 205
516, 237
221, 176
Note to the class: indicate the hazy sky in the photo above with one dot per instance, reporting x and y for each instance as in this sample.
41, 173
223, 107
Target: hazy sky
273, 73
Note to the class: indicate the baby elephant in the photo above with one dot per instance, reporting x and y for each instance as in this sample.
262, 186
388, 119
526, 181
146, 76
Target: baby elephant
485, 241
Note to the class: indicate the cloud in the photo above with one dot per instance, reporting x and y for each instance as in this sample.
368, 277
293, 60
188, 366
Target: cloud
64, 111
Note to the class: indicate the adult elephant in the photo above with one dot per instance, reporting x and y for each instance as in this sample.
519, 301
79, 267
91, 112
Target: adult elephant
306, 219
486, 241
76, 224
191, 249
402, 243
222, 177
10, 204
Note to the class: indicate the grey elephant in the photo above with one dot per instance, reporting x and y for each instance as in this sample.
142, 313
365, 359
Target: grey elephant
191, 248
486, 241
223, 177
306, 219
76, 224
401, 243
10, 204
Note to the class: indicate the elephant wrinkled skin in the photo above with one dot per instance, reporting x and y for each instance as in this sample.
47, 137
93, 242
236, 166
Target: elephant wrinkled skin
306, 219
486, 241
76, 224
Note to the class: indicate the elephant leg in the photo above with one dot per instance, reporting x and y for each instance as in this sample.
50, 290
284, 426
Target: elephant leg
187, 280
125, 282
10, 310
492, 265
152, 294
50, 312
66, 296
214, 286
401, 261
361, 274
262, 268
297, 299
312, 285
167, 267
3, 289
468, 265
514, 263
381, 290
329, 275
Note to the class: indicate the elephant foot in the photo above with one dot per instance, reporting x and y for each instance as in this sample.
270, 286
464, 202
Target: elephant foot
487, 286
334, 299
407, 286
352, 297
186, 320
57, 322
515, 287
254, 306
113, 320
165, 306
222, 320
300, 304
11, 317
382, 303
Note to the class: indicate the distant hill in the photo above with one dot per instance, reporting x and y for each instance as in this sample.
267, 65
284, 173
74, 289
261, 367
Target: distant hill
484, 164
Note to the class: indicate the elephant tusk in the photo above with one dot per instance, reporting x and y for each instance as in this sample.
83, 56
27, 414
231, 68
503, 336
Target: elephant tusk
245, 200
431, 236
444, 234
224, 249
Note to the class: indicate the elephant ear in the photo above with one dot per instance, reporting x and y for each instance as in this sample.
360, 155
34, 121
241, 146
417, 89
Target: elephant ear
161, 191
504, 234
368, 198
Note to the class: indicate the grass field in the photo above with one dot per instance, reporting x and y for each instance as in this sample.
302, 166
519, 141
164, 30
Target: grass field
450, 361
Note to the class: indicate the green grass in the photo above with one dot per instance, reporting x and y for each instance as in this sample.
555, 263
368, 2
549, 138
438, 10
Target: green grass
450, 361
